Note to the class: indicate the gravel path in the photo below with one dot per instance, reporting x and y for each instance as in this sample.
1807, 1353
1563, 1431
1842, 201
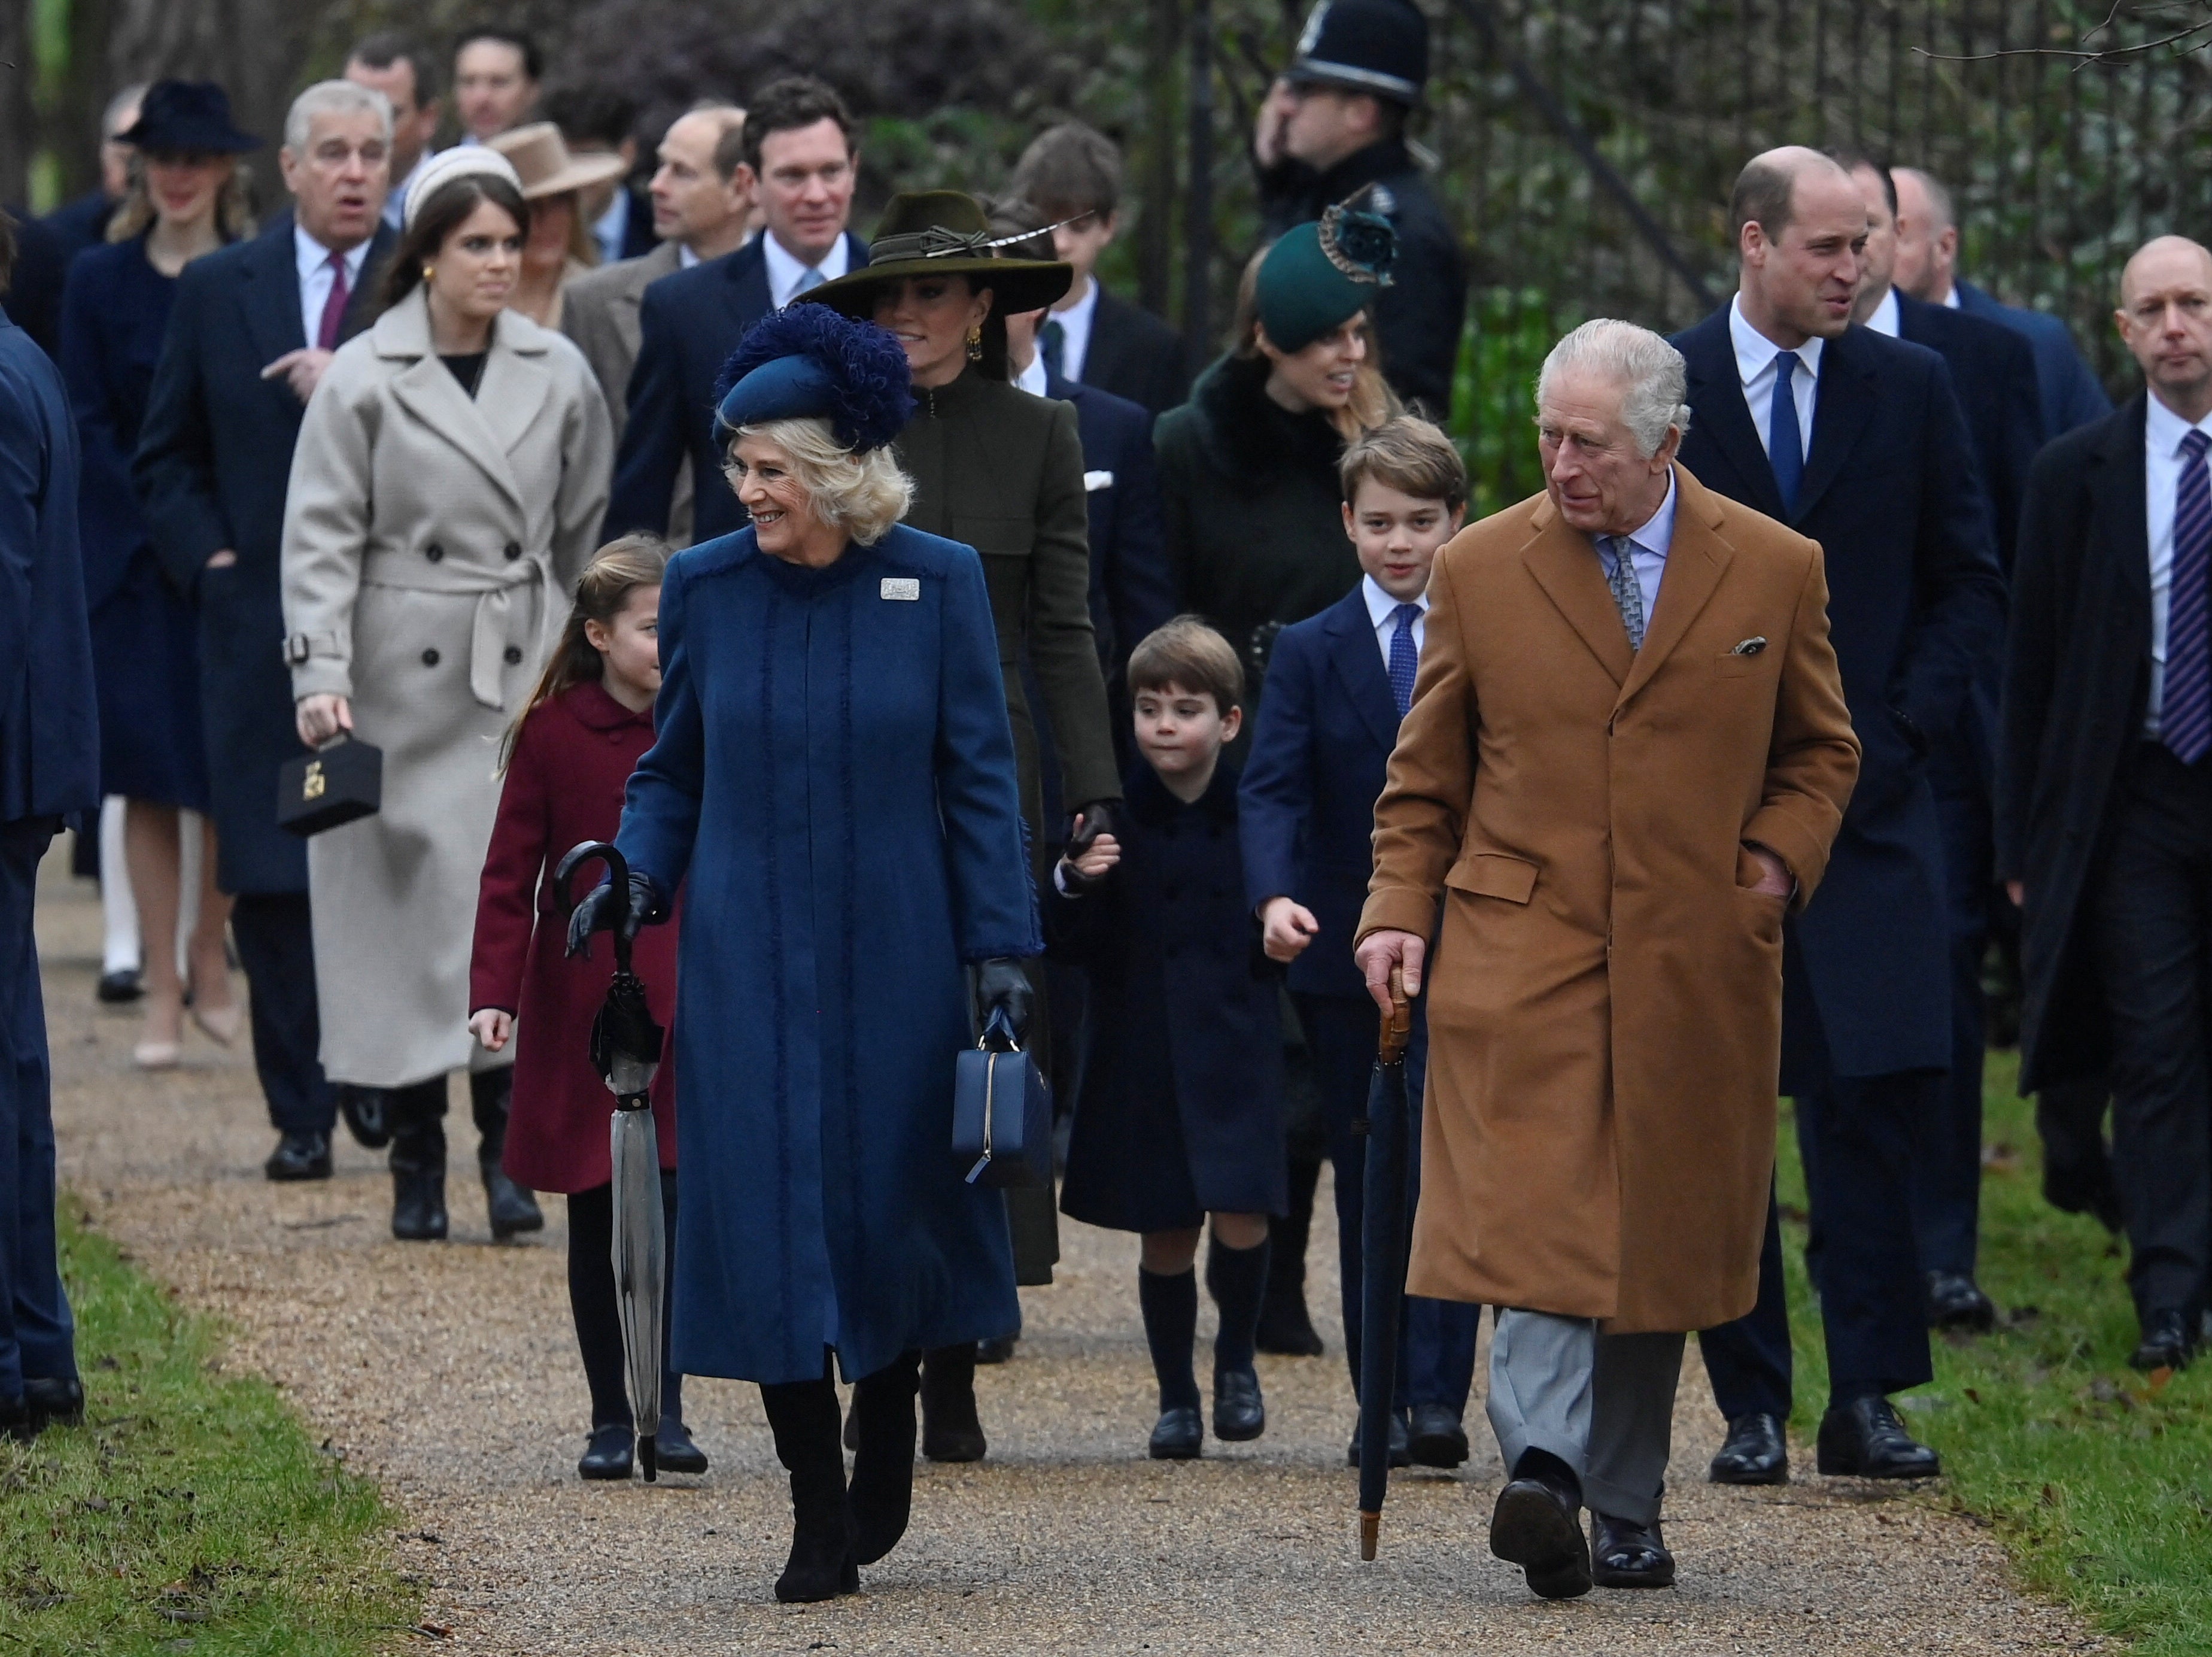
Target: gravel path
449, 1374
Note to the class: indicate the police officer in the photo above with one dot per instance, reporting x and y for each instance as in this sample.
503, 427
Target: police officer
1334, 123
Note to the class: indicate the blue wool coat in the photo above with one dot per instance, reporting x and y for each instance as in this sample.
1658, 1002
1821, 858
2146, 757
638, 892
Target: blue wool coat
834, 773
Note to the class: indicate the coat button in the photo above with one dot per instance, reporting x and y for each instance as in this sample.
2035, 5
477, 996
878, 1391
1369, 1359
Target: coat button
434, 551
430, 658
513, 654
513, 550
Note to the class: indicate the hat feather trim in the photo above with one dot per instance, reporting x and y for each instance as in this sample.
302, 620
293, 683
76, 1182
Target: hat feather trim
873, 387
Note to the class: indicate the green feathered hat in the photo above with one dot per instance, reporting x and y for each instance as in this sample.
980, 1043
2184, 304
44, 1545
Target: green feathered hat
1318, 275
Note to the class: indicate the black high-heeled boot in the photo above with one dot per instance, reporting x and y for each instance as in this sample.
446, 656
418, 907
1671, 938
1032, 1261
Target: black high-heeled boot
951, 1428
513, 1210
417, 1160
803, 1415
883, 1459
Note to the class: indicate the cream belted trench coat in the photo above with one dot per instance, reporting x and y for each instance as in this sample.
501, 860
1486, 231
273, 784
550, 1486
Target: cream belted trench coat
431, 543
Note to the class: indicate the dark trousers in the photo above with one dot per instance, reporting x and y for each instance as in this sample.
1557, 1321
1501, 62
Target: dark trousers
1857, 1135
597, 1316
38, 1336
418, 1120
1947, 1166
1436, 1356
2149, 917
276, 947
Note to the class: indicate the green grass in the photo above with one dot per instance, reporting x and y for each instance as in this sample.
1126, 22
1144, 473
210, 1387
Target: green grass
191, 1512
2098, 1479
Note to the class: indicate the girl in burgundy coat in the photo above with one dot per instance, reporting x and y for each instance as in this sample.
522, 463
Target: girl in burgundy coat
569, 756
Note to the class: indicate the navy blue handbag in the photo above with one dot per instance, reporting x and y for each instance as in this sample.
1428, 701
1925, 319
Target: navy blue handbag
1002, 1112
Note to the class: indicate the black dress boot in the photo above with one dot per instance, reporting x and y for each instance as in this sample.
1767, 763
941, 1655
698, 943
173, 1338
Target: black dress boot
803, 1415
53, 1401
418, 1162
1286, 1327
951, 1430
368, 1113
883, 1459
513, 1210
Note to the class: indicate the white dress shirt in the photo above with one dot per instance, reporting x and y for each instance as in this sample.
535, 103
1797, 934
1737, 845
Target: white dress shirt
1754, 366
1951, 297
785, 271
1032, 379
1075, 331
610, 229
685, 258
1884, 319
1381, 608
313, 260
1649, 546
395, 204
2163, 430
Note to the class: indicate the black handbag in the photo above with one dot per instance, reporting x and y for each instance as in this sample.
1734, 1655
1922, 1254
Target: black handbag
1002, 1112
336, 783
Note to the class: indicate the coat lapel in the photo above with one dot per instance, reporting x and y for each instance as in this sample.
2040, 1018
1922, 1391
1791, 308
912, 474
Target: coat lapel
2121, 515
1841, 408
482, 428
361, 308
1565, 563
271, 298
1723, 417
1352, 654
1696, 560
748, 295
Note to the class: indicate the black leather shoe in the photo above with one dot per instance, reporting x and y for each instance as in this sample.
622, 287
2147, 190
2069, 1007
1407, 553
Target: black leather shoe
513, 1210
1538, 1527
673, 1450
119, 987
418, 1205
608, 1455
1401, 1445
300, 1156
1864, 1439
1756, 1452
1286, 1329
997, 1349
53, 1402
2165, 1342
16, 1421
1178, 1435
1626, 1555
367, 1115
951, 1428
1239, 1412
1437, 1439
1955, 1301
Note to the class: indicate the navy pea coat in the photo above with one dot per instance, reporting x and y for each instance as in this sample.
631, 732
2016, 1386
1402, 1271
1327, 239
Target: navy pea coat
833, 772
214, 460
1916, 612
1181, 1112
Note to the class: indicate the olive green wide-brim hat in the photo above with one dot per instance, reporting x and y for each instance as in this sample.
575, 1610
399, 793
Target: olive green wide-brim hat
944, 232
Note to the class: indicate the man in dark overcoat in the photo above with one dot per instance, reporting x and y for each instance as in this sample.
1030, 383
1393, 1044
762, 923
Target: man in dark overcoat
49, 770
2103, 788
1857, 442
215, 453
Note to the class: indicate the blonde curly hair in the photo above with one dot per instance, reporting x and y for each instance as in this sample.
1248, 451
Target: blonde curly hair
862, 494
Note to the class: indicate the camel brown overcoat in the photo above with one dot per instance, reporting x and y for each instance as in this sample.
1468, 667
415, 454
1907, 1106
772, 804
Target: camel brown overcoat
1605, 998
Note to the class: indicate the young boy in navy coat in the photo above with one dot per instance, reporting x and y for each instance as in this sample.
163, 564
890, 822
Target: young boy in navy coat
1338, 683
1180, 1117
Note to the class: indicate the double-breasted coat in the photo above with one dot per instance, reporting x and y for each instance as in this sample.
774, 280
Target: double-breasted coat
430, 542
1605, 994
834, 777
565, 783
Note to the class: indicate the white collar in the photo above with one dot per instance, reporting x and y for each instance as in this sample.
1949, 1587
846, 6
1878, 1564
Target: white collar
1656, 534
685, 258
1033, 379
1884, 319
1951, 297
1754, 351
1381, 605
310, 256
1078, 313
2163, 430
784, 268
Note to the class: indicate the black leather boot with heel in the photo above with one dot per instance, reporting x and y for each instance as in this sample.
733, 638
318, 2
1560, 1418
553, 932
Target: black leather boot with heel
882, 1458
951, 1428
803, 1415
418, 1119
513, 1210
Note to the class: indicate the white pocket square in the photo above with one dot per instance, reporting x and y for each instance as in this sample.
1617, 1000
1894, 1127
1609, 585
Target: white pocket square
1098, 480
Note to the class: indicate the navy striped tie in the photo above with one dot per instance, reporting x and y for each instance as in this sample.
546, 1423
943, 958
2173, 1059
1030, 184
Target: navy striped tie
2185, 712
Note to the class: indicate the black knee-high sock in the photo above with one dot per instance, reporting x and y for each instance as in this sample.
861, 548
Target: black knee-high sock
592, 1304
1235, 1278
1169, 1303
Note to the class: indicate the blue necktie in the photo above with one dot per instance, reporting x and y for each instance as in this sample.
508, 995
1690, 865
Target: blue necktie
1627, 591
1405, 658
2185, 713
1052, 342
809, 280
1785, 442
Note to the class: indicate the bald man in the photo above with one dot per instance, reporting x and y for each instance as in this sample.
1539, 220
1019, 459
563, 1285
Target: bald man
2103, 828
1855, 439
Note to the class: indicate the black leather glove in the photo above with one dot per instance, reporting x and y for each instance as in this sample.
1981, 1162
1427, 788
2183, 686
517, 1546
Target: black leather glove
597, 912
1002, 986
1097, 819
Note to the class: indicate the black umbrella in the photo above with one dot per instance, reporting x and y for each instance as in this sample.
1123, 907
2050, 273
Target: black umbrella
626, 1045
1383, 1245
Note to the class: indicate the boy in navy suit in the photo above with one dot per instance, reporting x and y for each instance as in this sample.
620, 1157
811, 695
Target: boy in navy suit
1338, 683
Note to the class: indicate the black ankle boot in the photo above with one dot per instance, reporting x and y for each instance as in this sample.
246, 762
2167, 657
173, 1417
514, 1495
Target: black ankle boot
1286, 1326
803, 1414
883, 1460
418, 1204
418, 1162
951, 1430
511, 1208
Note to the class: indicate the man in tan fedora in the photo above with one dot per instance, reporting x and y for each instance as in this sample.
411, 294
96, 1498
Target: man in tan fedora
1627, 757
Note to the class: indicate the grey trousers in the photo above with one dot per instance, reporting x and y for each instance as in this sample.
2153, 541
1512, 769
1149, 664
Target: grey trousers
1602, 1404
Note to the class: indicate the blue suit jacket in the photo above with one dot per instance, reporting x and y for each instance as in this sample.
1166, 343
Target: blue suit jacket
215, 457
1131, 587
1306, 807
1916, 610
49, 721
2071, 395
688, 322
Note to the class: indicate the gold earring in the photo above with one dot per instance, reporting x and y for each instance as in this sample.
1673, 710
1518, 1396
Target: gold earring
975, 344
430, 274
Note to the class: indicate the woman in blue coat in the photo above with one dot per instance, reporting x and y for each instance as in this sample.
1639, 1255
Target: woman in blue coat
834, 775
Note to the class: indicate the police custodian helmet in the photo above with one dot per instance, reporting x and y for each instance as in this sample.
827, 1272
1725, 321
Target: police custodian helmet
1379, 46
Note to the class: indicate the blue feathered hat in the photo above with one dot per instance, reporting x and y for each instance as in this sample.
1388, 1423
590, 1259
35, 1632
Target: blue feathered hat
808, 362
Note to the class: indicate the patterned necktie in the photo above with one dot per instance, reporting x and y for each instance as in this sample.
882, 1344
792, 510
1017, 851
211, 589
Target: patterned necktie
2185, 713
1404, 657
1786, 439
334, 307
1627, 591
1052, 342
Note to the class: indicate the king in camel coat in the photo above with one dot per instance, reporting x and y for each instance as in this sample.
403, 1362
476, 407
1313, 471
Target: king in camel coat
1605, 994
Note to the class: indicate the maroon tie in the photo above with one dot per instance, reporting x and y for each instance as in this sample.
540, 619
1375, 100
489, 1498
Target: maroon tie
326, 335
